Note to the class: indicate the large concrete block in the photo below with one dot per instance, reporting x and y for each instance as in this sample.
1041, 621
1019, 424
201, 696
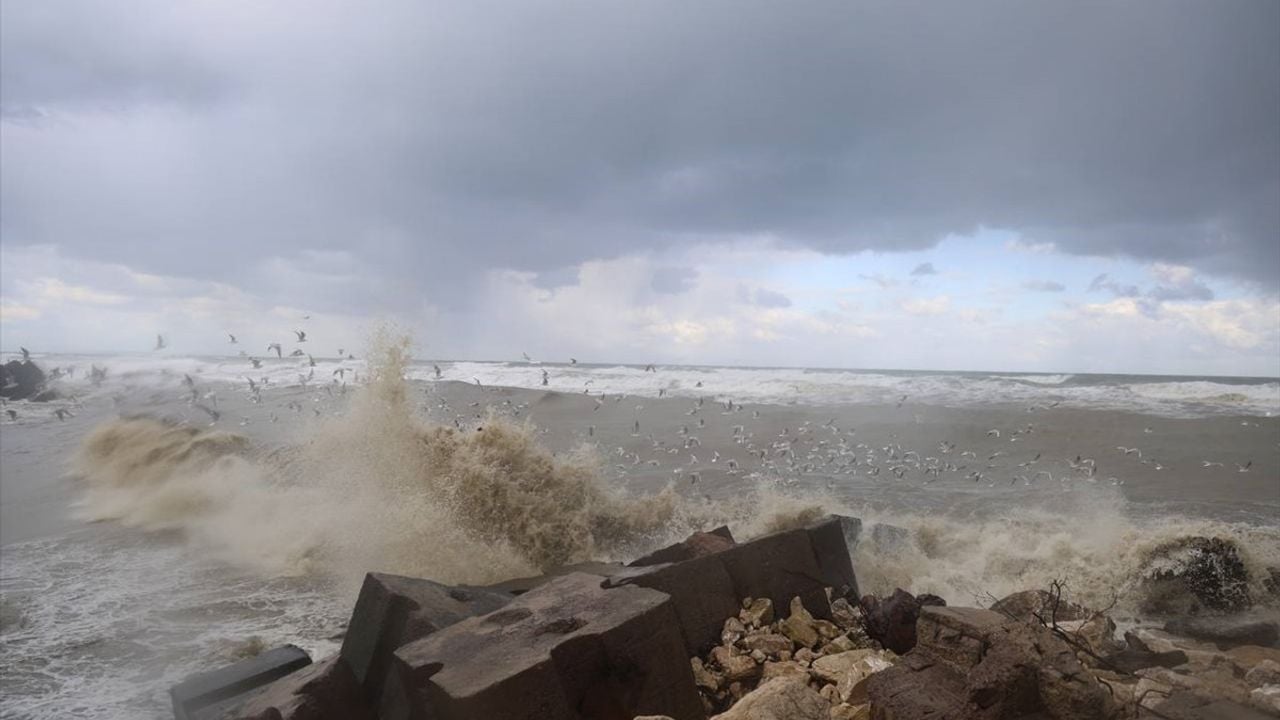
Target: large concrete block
567, 650
701, 590
779, 567
832, 537
326, 690
520, 586
209, 694
393, 610
695, 546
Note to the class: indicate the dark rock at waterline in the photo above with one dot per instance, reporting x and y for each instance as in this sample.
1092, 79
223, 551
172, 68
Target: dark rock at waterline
1226, 632
22, 380
326, 690
211, 694
1137, 655
891, 621
1194, 573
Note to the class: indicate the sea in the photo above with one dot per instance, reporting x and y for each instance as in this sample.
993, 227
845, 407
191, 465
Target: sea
184, 512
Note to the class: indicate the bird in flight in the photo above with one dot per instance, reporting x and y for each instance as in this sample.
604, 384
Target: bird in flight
233, 338
26, 354
160, 342
437, 369
276, 347
63, 413
302, 335
573, 361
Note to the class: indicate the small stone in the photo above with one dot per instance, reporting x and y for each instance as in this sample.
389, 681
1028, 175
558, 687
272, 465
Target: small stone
720, 654
740, 667
784, 697
853, 686
826, 630
799, 625
1266, 698
841, 643
1266, 672
758, 613
781, 669
844, 614
702, 677
845, 711
736, 691
805, 655
832, 668
830, 693
759, 656
768, 643
784, 656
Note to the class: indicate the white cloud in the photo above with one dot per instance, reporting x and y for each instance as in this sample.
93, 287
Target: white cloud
927, 306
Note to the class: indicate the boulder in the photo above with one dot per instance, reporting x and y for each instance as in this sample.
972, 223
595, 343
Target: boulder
702, 594
799, 625
1226, 632
1026, 605
326, 690
21, 380
768, 643
212, 694
844, 615
392, 610
565, 650
697, 545
955, 636
1192, 573
783, 669
1266, 672
756, 612
892, 621
783, 698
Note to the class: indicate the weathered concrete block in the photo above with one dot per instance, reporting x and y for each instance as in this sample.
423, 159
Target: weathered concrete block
779, 567
566, 650
695, 546
202, 695
702, 593
326, 690
519, 586
831, 538
393, 610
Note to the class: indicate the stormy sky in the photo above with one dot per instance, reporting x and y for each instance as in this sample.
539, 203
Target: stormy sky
984, 185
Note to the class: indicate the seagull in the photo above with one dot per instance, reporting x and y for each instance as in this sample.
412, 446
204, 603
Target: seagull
211, 412
341, 372
545, 378
650, 368
26, 355
13, 414
526, 357
276, 347
993, 433
256, 362
311, 360
340, 353
573, 361
302, 335
437, 369
63, 414
233, 338
1245, 467
1130, 451
160, 343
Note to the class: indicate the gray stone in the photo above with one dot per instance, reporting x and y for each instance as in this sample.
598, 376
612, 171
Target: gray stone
1226, 632
566, 650
702, 593
212, 693
783, 698
393, 610
326, 690
697, 545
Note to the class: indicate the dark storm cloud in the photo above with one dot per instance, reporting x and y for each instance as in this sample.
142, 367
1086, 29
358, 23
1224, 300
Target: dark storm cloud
924, 269
432, 142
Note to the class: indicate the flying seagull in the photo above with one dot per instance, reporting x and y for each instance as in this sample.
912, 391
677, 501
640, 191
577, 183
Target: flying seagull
233, 338
26, 355
437, 369
256, 362
160, 343
302, 335
276, 347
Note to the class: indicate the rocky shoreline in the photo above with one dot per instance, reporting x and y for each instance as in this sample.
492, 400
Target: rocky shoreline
767, 629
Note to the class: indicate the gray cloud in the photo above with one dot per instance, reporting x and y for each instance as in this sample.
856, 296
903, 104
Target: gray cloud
924, 269
770, 299
672, 280
1044, 286
1104, 282
435, 142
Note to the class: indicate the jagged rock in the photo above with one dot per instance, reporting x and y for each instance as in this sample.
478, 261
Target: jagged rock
799, 625
838, 644
830, 693
955, 636
212, 694
1029, 670
756, 612
892, 621
843, 614
696, 545
554, 653
1098, 634
1266, 672
845, 711
758, 656
1026, 605
740, 668
703, 677
768, 643
827, 630
21, 380
1189, 573
732, 632
784, 698
852, 687
1247, 656
1266, 698
1226, 632
831, 668
326, 690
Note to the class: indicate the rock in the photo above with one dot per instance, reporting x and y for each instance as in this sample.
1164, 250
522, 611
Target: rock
703, 677
696, 545
653, 717
768, 643
852, 687
830, 693
1226, 632
928, 600
326, 690
1266, 672
780, 567
1266, 698
844, 614
806, 656
827, 630
1098, 634
392, 610
955, 636
830, 668
839, 644
1027, 669
740, 668
1027, 604
732, 631
520, 586
799, 625
784, 698
831, 538
892, 621
1194, 572
1248, 656
844, 711
21, 380
756, 612
702, 594
565, 650
782, 669
1131, 660
211, 694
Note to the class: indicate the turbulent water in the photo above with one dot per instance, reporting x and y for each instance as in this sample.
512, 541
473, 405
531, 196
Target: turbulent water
175, 540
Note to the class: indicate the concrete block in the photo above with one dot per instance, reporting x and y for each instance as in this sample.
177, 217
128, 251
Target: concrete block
567, 650
702, 593
393, 610
326, 690
201, 695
